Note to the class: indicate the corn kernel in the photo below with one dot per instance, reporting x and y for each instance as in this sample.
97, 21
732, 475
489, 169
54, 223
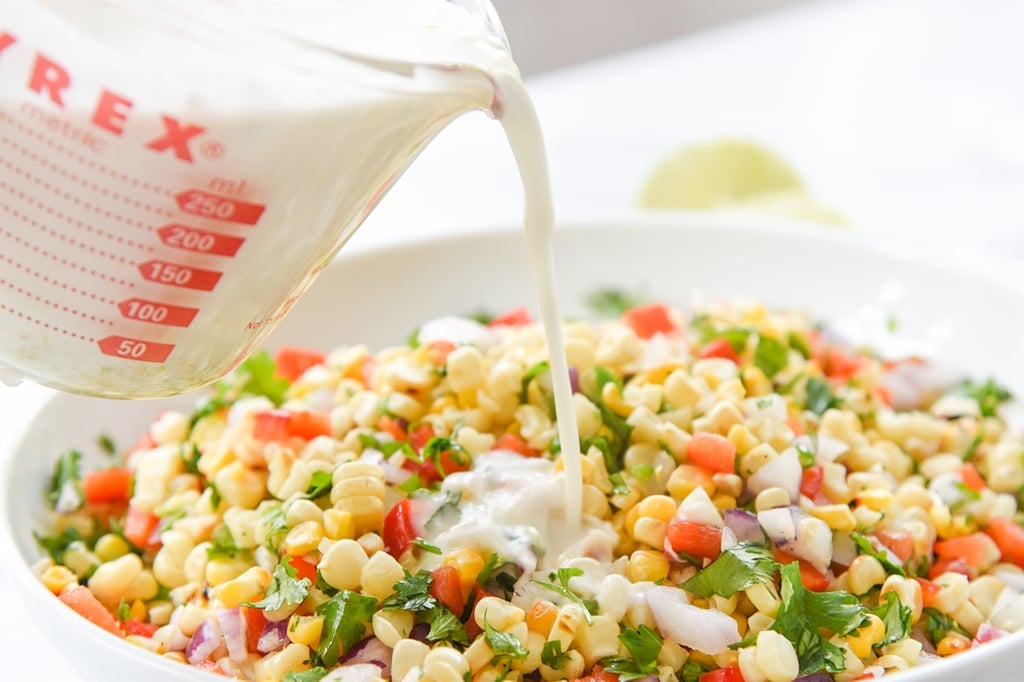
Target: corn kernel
250, 586
379, 575
865, 573
541, 616
776, 657
952, 643
660, 507
110, 547
341, 566
408, 655
223, 569
58, 578
650, 531
647, 565
837, 516
303, 538
866, 636
392, 626
876, 499
598, 639
764, 599
293, 658
339, 525
497, 613
468, 563
305, 629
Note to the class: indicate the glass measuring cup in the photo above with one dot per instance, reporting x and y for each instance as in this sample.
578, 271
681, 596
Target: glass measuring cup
173, 175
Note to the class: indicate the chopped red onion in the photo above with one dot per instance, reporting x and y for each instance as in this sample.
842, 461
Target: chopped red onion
814, 677
574, 379
744, 525
273, 637
705, 630
372, 651
987, 632
233, 628
779, 524
204, 642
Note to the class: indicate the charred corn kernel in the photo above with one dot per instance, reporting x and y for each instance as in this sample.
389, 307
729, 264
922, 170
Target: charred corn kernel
250, 586
408, 654
293, 658
764, 599
746, 659
908, 591
598, 639
58, 578
952, 643
303, 538
468, 562
837, 516
305, 629
650, 531
222, 569
114, 578
571, 669
566, 625
392, 626
110, 547
983, 590
865, 573
541, 616
169, 562
908, 649
341, 566
241, 486
379, 575
776, 657
497, 613
339, 525
647, 565
441, 663
876, 499
952, 593
866, 636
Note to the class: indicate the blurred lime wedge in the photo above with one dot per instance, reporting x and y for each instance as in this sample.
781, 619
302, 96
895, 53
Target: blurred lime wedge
731, 174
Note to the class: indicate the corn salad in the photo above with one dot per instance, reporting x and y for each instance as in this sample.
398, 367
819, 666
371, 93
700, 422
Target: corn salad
762, 502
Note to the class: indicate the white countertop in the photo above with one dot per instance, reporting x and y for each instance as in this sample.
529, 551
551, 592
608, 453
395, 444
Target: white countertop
906, 115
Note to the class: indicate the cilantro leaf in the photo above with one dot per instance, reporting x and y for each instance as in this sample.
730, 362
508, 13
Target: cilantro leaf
988, 395
614, 447
771, 355
258, 376
613, 303
864, 546
312, 675
286, 588
412, 593
347, 616
735, 569
276, 525
800, 344
896, 617
56, 545
445, 626
191, 462
552, 655
222, 544
505, 645
531, 374
819, 396
937, 624
387, 448
563, 576
319, 485
643, 645
438, 446
619, 486
124, 611
499, 575
427, 547
803, 614
66, 483
106, 444
692, 670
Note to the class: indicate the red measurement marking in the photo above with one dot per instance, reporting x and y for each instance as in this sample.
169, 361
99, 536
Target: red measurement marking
157, 313
56, 283
56, 305
206, 205
63, 261
68, 219
200, 241
135, 349
44, 325
176, 275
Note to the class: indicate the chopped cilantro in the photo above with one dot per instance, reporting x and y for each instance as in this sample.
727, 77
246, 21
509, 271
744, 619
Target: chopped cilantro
412, 593
800, 344
972, 449
191, 461
864, 546
276, 526
505, 645
988, 395
643, 645
531, 374
445, 626
413, 340
124, 611
819, 396
498, 574
411, 484
552, 655
619, 429
619, 486
212, 404
106, 444
896, 617
66, 483
427, 547
286, 588
771, 356
803, 614
692, 671
215, 496
438, 446
319, 485
346, 617
222, 544
258, 376
735, 569
312, 675
387, 448
613, 303
937, 624
563, 576
736, 336
56, 545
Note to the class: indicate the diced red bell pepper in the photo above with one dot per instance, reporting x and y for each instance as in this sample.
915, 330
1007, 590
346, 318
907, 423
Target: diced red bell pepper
899, 543
712, 451
446, 587
810, 481
310, 424
513, 318
698, 539
139, 527
271, 426
813, 579
303, 569
719, 348
650, 319
510, 441
138, 628
399, 528
107, 486
255, 620
291, 362
729, 674
1009, 538
971, 478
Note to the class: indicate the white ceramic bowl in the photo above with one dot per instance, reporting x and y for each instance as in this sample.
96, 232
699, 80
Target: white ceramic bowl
378, 297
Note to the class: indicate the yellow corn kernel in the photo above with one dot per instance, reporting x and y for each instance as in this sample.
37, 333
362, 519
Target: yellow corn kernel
478, 656
776, 657
742, 437
771, 498
445, 664
114, 578
541, 616
110, 547
660, 507
741, 622
379, 575
909, 593
686, 478
723, 502
222, 569
392, 626
498, 613
342, 564
58, 578
293, 658
877, 499
367, 512
908, 649
764, 599
865, 573
650, 531
598, 639
866, 636
468, 562
566, 625
305, 629
645, 564
137, 610
952, 643
836, 516
250, 586
339, 525
407, 655
80, 560
303, 538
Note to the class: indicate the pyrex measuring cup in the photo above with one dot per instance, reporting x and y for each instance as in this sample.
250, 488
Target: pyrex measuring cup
173, 175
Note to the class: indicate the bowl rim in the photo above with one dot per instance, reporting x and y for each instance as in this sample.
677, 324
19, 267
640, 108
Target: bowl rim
32, 592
